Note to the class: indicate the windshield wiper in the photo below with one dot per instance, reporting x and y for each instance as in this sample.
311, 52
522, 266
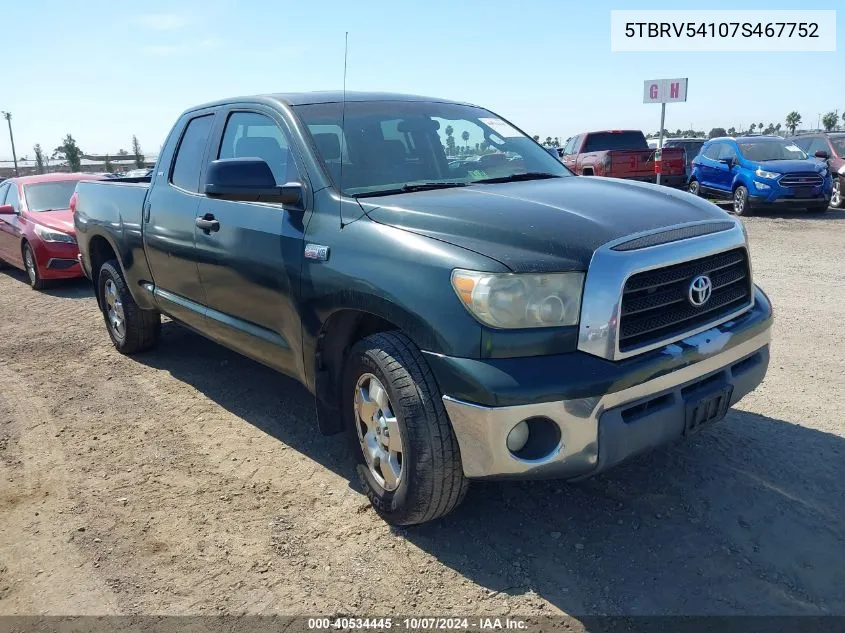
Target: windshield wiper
530, 175
412, 186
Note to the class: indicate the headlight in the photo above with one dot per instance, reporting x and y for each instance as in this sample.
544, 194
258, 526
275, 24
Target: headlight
51, 235
508, 300
762, 173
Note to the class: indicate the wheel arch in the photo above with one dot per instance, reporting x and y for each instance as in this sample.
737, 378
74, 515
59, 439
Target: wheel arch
100, 250
339, 333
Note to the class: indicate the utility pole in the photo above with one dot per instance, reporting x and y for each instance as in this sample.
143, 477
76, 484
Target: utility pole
8, 116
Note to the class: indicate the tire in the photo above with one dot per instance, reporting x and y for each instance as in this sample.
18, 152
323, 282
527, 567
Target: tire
836, 200
694, 187
30, 264
741, 205
131, 329
430, 481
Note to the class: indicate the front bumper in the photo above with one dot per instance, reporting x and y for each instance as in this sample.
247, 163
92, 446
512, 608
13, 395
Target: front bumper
57, 260
777, 197
610, 411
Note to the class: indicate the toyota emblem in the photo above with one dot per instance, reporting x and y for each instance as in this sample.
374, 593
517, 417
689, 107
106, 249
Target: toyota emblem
700, 289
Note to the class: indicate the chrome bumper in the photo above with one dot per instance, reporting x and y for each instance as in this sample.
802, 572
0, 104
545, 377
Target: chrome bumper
586, 448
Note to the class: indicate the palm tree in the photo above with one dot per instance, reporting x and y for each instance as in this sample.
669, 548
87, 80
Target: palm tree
793, 120
752, 128
465, 136
777, 128
760, 127
830, 120
548, 141
843, 117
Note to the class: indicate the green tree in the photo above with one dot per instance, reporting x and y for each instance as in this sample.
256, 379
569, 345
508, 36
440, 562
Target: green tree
793, 120
39, 158
122, 152
752, 128
760, 127
843, 118
548, 141
731, 131
556, 142
465, 137
107, 165
777, 128
450, 140
830, 120
536, 137
717, 131
136, 151
70, 153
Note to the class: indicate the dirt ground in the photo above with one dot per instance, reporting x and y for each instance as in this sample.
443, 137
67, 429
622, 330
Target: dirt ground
193, 481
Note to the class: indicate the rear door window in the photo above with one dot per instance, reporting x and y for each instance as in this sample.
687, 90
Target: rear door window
188, 163
712, 151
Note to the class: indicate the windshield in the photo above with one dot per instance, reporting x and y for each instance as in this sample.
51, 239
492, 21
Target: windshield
47, 196
387, 144
761, 151
838, 143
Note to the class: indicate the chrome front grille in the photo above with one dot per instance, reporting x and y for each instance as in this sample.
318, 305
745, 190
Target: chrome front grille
656, 305
803, 179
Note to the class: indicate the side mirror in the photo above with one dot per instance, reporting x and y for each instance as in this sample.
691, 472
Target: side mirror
249, 180
730, 162
553, 151
7, 209
820, 153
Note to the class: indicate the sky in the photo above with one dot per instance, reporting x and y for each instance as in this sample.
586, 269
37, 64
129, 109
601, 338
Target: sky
103, 71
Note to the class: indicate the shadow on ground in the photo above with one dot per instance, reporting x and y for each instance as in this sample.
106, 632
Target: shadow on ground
830, 215
745, 518
65, 289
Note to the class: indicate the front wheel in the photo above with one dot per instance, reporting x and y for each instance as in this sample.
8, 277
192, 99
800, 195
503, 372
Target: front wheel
741, 205
31, 266
131, 329
409, 462
836, 198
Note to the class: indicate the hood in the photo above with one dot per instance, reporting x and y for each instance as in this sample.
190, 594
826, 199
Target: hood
59, 219
791, 166
541, 225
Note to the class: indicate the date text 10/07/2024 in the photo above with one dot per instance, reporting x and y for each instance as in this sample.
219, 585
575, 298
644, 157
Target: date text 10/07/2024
417, 624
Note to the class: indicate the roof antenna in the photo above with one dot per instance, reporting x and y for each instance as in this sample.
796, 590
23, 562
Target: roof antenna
342, 130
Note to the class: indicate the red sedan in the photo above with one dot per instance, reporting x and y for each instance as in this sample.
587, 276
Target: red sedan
36, 226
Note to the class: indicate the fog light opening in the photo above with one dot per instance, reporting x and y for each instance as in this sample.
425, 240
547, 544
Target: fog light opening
534, 438
518, 437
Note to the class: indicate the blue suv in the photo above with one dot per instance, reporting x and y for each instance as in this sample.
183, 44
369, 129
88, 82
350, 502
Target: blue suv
761, 172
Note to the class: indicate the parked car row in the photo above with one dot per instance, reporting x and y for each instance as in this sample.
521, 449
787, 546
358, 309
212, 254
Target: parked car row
458, 320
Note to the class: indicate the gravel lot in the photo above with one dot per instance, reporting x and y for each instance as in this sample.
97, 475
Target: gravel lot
192, 480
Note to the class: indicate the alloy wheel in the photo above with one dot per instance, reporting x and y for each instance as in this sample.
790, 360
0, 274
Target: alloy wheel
836, 197
739, 201
378, 432
114, 309
29, 263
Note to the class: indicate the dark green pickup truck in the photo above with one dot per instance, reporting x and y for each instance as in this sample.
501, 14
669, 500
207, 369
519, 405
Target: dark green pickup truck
489, 317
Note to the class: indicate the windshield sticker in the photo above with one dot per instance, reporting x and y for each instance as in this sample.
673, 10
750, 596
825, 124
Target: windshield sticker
500, 127
793, 148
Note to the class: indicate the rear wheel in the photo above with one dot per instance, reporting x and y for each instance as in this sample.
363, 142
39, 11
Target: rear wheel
408, 458
31, 266
836, 200
741, 205
131, 329
694, 187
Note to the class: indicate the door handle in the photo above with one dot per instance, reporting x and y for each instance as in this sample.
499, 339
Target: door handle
208, 224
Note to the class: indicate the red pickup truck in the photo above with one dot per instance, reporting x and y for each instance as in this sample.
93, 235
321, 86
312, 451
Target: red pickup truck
622, 154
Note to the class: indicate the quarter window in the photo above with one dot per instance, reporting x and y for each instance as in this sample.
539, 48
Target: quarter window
252, 135
188, 163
